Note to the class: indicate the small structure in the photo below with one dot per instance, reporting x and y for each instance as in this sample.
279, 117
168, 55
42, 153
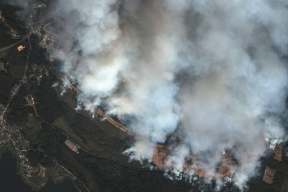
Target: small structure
72, 146
42, 171
269, 175
20, 48
278, 152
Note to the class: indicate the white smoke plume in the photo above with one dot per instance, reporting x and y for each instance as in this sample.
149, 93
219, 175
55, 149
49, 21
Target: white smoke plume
213, 73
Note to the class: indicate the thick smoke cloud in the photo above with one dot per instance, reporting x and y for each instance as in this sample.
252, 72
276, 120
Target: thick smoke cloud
211, 72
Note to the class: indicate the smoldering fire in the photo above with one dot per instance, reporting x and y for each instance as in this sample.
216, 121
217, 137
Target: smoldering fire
213, 73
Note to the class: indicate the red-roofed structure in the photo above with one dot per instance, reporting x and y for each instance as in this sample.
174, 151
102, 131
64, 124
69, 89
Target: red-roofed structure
269, 175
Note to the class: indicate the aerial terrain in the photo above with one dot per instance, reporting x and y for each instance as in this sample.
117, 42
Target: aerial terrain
49, 122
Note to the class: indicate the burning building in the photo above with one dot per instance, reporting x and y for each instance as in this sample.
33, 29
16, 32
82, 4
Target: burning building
278, 152
226, 166
269, 175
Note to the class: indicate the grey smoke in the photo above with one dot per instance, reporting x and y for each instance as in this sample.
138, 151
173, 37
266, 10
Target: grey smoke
21, 3
212, 69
